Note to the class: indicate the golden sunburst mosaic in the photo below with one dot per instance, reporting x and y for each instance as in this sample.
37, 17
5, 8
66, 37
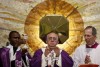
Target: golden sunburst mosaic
54, 8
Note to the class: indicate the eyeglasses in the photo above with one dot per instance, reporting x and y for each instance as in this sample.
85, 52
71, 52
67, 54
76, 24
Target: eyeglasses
52, 38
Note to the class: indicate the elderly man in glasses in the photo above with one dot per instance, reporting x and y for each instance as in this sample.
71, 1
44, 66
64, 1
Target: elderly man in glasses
51, 56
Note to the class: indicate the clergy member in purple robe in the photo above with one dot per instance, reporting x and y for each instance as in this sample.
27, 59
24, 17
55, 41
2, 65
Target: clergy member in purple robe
11, 55
51, 56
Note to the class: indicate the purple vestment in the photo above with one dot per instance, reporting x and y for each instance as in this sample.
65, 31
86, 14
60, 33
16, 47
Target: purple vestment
66, 59
5, 57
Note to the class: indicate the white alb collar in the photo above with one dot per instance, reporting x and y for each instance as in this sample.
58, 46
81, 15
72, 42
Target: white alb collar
10, 46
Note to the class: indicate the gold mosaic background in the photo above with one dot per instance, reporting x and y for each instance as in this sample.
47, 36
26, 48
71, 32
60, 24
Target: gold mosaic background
24, 16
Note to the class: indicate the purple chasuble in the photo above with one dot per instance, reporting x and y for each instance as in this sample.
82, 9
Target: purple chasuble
5, 57
66, 59
18, 62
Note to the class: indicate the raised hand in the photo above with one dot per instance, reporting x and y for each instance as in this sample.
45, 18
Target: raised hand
87, 59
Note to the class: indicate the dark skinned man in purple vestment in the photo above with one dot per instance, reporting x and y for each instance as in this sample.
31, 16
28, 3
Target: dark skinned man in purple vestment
11, 55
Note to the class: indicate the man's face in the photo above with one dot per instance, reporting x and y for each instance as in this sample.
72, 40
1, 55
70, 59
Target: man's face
89, 38
52, 40
14, 39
